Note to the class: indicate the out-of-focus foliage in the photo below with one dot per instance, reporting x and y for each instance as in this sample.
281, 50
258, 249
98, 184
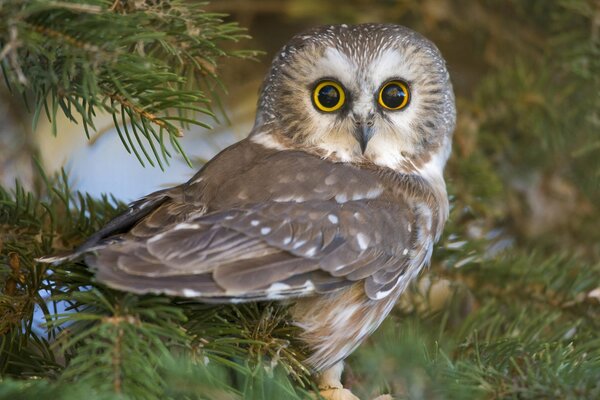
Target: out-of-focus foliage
151, 64
508, 309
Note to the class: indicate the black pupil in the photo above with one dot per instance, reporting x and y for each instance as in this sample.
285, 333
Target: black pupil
329, 96
393, 96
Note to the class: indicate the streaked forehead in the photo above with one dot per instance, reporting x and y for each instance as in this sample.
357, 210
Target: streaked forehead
361, 44
380, 51
385, 64
335, 63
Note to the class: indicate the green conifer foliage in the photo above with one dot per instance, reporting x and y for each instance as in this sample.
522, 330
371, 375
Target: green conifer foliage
151, 64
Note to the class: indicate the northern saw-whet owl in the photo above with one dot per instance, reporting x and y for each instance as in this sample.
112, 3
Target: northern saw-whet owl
334, 200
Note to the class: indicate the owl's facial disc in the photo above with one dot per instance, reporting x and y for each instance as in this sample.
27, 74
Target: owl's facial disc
358, 106
375, 93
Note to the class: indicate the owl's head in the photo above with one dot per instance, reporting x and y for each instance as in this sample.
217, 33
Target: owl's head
366, 93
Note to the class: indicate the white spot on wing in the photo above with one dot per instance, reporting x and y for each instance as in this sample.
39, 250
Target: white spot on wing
311, 252
299, 243
383, 293
185, 225
278, 287
265, 231
285, 199
333, 218
254, 222
156, 238
371, 194
341, 198
362, 240
191, 293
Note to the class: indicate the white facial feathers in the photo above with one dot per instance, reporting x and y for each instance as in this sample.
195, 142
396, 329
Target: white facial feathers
334, 64
362, 59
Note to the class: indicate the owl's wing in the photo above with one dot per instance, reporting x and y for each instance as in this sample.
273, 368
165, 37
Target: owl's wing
269, 250
261, 224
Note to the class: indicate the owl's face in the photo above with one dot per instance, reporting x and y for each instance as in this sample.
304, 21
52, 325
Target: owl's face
378, 93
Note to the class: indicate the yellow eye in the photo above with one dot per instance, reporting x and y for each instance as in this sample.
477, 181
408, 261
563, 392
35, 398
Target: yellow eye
394, 95
328, 96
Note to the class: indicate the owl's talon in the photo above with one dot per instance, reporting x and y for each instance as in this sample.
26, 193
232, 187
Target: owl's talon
330, 385
337, 394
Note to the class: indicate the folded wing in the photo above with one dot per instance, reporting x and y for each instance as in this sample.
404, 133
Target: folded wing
264, 251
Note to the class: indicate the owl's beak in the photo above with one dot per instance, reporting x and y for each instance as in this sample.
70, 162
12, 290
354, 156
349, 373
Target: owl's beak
363, 132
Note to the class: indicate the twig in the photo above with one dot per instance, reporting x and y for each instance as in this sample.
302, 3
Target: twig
68, 39
10, 50
143, 113
86, 8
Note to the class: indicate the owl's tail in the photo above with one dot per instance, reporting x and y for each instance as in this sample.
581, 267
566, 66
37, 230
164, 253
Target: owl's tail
121, 223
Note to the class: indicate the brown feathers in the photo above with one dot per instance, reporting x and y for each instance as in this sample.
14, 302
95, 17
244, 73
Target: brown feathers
346, 226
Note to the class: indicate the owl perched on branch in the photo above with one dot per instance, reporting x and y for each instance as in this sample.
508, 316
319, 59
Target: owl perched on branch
334, 200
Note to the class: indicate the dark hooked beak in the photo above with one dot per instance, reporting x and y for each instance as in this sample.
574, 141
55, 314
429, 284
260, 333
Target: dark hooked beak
363, 132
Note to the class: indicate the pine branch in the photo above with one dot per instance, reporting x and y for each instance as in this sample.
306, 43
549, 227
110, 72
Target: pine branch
253, 332
148, 64
32, 226
517, 326
128, 335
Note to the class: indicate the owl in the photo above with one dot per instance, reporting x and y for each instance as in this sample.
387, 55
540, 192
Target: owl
333, 202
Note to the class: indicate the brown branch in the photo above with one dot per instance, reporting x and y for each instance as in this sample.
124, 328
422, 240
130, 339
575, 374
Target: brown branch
68, 39
116, 361
14, 262
83, 8
143, 113
117, 358
10, 50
